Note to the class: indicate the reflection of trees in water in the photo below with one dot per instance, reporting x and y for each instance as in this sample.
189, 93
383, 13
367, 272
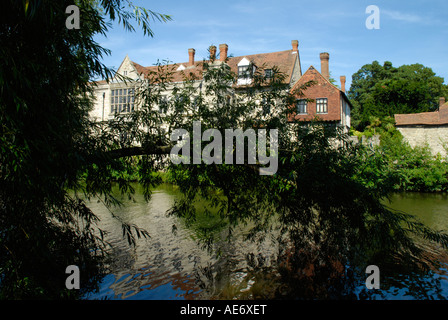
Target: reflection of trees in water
181, 285
277, 276
237, 273
402, 279
215, 266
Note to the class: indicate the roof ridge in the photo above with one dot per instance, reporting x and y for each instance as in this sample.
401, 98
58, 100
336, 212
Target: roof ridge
423, 118
282, 59
255, 54
311, 67
230, 57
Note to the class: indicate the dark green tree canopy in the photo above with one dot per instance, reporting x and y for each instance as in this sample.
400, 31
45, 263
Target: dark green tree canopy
46, 139
384, 90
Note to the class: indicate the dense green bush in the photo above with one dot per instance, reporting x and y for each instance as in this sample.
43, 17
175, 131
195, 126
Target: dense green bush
416, 169
406, 168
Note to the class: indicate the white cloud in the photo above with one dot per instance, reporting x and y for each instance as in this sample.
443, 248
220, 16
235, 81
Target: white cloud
402, 16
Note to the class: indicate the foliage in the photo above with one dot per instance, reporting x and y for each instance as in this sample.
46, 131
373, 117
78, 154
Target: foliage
327, 218
326, 215
414, 169
405, 168
321, 207
381, 91
47, 143
333, 219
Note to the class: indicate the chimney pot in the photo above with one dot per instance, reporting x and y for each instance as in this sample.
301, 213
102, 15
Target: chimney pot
324, 66
191, 53
441, 101
212, 51
223, 51
343, 84
295, 46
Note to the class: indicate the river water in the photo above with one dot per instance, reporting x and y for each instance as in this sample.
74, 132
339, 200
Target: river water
172, 265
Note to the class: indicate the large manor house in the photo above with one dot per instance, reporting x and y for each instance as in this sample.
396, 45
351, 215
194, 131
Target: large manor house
324, 99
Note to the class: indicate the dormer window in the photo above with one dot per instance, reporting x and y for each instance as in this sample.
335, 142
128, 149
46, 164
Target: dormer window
245, 71
268, 73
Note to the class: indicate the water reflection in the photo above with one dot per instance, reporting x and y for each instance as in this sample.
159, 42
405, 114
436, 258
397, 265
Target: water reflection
430, 208
168, 265
173, 266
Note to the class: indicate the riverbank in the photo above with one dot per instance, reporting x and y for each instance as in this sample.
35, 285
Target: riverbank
393, 165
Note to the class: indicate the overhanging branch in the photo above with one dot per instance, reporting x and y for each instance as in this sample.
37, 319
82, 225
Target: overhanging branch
138, 151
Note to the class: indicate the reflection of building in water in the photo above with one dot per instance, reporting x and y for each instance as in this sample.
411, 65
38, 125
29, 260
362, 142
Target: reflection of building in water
147, 284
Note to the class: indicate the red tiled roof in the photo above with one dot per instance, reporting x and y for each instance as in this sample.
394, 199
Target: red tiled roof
283, 60
140, 69
99, 82
439, 117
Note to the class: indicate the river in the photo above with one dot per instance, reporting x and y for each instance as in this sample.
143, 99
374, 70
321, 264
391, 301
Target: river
171, 265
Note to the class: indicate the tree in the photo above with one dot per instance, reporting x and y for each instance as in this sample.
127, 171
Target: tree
46, 141
381, 91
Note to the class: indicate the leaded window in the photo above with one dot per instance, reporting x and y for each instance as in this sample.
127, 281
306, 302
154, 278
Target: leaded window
322, 105
122, 100
301, 106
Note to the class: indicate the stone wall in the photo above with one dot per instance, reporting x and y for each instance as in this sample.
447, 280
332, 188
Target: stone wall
101, 109
434, 136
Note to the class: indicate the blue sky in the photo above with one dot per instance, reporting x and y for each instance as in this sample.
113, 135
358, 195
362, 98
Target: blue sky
410, 32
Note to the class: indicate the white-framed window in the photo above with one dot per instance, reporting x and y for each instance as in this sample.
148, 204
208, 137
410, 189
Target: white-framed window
122, 100
322, 105
268, 73
301, 106
245, 72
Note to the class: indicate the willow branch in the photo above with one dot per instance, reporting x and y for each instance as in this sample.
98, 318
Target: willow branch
138, 151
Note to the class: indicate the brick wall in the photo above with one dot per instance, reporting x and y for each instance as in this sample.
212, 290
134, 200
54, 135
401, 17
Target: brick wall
322, 89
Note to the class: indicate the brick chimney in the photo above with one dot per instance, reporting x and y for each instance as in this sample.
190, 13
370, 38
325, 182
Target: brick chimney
191, 52
343, 84
223, 51
212, 51
295, 46
441, 101
324, 66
